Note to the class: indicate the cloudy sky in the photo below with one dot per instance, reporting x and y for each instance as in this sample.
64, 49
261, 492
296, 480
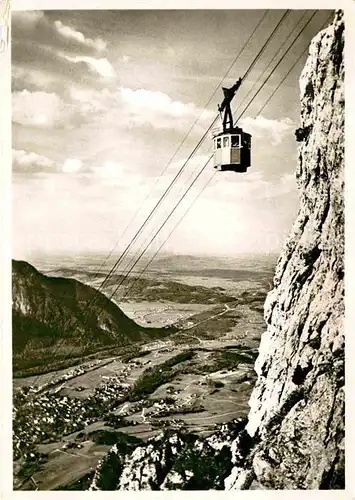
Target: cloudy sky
102, 100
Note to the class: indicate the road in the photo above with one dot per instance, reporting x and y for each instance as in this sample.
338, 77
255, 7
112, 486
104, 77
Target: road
227, 308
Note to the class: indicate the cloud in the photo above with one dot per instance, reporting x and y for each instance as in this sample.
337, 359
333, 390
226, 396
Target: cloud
31, 79
234, 214
276, 129
55, 68
30, 162
72, 34
237, 214
39, 109
136, 108
25, 162
71, 165
142, 103
36, 28
114, 170
39, 47
253, 187
114, 174
29, 18
100, 66
93, 101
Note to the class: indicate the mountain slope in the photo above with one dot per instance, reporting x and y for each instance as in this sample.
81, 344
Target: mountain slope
48, 319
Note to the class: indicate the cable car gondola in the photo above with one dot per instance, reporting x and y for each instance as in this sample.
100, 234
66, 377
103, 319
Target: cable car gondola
232, 146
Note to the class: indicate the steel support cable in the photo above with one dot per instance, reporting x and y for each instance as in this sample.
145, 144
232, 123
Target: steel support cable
271, 61
260, 110
185, 213
250, 68
176, 152
261, 51
172, 182
241, 114
289, 71
276, 66
171, 232
281, 82
272, 34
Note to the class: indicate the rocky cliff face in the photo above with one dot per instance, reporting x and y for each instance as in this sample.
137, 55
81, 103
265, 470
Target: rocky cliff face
297, 406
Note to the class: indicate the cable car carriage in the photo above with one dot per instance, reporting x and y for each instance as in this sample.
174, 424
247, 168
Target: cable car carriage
232, 146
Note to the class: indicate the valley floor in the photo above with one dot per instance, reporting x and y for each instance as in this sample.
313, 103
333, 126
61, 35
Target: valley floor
200, 377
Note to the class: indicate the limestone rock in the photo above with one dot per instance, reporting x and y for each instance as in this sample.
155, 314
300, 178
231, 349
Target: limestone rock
175, 461
297, 405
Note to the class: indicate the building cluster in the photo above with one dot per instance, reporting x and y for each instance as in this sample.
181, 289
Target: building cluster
47, 417
63, 377
171, 406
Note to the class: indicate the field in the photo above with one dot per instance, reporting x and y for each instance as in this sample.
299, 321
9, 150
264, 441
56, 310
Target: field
198, 377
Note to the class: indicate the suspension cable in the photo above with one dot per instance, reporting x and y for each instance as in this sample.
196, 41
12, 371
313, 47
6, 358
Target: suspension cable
185, 213
276, 66
272, 34
271, 61
171, 232
190, 156
289, 71
178, 149
261, 51
200, 172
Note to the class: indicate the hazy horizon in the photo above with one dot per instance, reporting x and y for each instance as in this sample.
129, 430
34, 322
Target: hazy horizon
161, 255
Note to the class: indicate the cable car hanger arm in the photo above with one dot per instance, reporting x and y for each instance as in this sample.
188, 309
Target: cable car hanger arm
229, 94
225, 106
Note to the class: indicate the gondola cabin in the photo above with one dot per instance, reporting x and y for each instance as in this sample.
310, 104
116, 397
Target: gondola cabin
231, 150
232, 146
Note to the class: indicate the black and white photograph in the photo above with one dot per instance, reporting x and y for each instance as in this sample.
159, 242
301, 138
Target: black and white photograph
177, 248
